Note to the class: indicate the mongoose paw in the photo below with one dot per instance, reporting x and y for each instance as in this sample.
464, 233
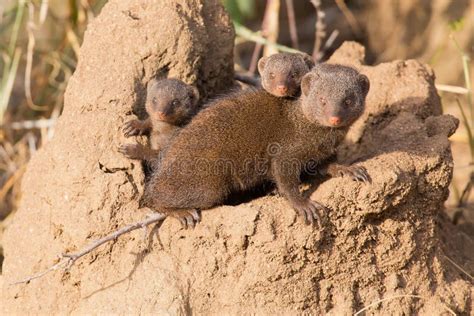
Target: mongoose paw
357, 173
188, 219
131, 151
310, 211
134, 128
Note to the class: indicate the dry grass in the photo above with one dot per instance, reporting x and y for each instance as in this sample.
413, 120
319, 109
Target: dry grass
39, 47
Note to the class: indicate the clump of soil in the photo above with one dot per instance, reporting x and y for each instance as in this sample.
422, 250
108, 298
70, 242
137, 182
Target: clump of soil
385, 241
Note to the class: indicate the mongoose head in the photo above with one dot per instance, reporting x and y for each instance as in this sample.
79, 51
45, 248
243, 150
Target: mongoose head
282, 73
333, 95
171, 101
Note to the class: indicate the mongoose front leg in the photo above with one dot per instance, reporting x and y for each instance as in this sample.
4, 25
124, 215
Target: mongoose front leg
139, 152
287, 179
357, 173
137, 127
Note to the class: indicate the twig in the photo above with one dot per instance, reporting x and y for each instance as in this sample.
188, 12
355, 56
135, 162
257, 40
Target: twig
73, 40
466, 61
11, 181
290, 9
255, 55
466, 192
66, 261
60, 265
258, 46
460, 268
31, 142
41, 123
320, 29
399, 296
272, 26
349, 17
468, 129
29, 60
330, 41
244, 32
452, 89
43, 11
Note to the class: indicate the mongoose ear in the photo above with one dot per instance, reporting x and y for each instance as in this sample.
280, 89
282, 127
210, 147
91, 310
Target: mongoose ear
261, 65
306, 83
194, 94
308, 60
153, 82
364, 84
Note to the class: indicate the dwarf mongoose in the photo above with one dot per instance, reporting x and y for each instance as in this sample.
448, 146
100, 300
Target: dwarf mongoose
170, 104
252, 136
282, 73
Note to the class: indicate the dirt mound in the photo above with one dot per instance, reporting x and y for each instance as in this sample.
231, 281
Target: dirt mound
382, 241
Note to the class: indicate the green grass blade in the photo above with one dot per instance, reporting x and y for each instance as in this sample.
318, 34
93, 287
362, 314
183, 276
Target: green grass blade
16, 27
6, 90
468, 128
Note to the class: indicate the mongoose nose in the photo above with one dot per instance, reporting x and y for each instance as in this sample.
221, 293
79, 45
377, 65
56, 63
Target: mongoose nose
161, 115
282, 88
335, 120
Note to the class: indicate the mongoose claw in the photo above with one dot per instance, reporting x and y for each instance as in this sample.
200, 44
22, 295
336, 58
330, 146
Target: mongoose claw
190, 222
188, 219
310, 211
196, 215
129, 150
133, 128
357, 173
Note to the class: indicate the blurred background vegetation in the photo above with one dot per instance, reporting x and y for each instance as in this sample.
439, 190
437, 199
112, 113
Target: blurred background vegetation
40, 40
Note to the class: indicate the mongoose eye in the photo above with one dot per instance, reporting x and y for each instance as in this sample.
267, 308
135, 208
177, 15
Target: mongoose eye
271, 75
348, 102
175, 102
294, 75
154, 100
322, 100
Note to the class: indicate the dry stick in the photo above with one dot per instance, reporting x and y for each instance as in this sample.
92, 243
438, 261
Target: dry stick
452, 89
349, 17
327, 45
290, 9
460, 268
272, 26
247, 34
320, 30
11, 181
331, 40
71, 258
258, 46
255, 55
41, 123
29, 60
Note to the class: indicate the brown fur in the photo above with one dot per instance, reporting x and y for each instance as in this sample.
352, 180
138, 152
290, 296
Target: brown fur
282, 73
250, 137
